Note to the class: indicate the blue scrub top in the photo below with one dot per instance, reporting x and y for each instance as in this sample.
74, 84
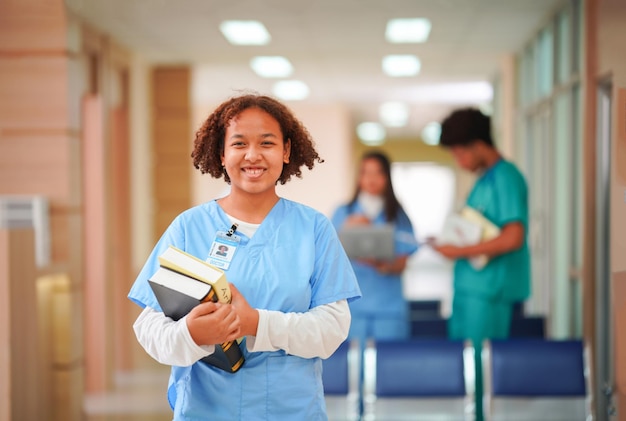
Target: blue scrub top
500, 194
382, 293
294, 262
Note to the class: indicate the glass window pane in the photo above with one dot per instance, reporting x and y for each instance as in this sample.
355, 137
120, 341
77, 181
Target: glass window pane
564, 59
544, 65
427, 192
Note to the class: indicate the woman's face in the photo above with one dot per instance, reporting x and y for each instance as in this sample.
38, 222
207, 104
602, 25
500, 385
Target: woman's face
254, 152
372, 178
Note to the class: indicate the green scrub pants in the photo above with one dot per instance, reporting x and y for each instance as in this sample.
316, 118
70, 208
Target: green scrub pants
478, 318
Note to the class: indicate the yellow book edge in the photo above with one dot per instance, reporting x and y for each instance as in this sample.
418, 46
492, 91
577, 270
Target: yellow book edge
220, 285
489, 231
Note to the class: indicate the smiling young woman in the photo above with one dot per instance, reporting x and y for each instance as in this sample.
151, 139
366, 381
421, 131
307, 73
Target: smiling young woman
291, 280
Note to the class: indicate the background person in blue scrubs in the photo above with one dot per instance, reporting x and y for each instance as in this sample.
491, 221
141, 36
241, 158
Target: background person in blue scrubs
483, 299
382, 313
291, 279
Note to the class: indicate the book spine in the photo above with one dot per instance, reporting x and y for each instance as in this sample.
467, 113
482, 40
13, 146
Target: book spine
231, 348
233, 354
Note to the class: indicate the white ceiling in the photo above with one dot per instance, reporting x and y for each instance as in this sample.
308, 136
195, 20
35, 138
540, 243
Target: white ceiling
335, 46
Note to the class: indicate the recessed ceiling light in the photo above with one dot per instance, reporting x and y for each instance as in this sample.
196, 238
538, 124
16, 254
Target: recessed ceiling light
394, 114
371, 133
291, 90
431, 133
452, 93
245, 32
271, 66
408, 30
401, 65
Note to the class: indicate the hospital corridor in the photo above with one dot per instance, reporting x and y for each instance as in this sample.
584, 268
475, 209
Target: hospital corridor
100, 103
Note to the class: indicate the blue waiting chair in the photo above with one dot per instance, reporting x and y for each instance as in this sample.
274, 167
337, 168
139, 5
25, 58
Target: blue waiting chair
340, 376
528, 327
431, 328
429, 380
532, 379
424, 309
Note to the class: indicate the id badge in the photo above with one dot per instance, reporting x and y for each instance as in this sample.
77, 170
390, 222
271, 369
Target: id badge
223, 250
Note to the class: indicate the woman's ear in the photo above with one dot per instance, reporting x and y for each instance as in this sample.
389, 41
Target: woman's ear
287, 152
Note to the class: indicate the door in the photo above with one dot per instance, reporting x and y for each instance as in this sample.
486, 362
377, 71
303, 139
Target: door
604, 341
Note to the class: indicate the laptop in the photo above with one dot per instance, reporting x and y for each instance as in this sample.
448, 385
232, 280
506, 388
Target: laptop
368, 241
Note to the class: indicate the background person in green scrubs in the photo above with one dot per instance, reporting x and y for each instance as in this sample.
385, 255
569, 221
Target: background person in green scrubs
483, 299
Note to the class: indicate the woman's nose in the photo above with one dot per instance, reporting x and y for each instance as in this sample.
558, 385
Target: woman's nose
253, 154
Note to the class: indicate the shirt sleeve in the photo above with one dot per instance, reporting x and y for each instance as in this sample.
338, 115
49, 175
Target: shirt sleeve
512, 197
168, 341
315, 333
405, 240
339, 217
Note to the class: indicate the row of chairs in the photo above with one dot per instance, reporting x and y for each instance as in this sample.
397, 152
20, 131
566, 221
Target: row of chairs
426, 321
523, 379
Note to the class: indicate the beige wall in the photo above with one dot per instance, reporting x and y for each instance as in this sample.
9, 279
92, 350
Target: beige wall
329, 183
141, 161
40, 154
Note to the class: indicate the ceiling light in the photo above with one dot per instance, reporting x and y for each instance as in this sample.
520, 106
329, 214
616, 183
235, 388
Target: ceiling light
291, 90
271, 66
371, 133
408, 30
245, 32
394, 114
431, 133
452, 93
401, 65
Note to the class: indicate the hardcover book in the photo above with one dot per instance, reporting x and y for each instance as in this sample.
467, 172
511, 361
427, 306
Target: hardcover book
184, 281
469, 227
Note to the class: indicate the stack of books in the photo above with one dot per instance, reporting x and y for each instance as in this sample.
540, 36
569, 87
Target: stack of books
182, 282
467, 228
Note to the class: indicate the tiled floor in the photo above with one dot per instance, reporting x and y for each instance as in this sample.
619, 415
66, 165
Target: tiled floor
138, 396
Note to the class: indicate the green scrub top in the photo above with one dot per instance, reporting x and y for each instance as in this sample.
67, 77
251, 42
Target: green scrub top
500, 194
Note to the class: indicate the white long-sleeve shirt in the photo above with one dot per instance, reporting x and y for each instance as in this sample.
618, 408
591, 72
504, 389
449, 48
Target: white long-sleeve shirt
315, 333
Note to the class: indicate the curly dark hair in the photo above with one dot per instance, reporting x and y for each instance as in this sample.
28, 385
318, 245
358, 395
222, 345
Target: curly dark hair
209, 142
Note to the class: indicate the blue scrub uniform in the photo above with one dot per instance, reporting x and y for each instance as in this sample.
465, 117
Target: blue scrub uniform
383, 312
294, 262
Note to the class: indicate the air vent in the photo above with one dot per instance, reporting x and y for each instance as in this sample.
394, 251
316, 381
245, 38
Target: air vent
28, 212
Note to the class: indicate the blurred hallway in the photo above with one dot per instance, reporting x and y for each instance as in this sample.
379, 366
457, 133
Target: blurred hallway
99, 101
138, 396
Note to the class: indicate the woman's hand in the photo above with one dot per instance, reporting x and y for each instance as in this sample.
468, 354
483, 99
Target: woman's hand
248, 316
395, 266
449, 251
213, 323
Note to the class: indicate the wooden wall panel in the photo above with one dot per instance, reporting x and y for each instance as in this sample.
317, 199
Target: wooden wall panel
32, 26
40, 155
167, 137
171, 145
42, 163
120, 221
171, 92
96, 269
23, 393
37, 87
